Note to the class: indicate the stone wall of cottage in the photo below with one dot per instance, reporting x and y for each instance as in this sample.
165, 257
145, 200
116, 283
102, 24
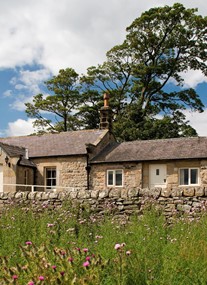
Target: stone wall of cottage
9, 170
24, 175
137, 174
173, 171
175, 202
71, 171
93, 150
132, 175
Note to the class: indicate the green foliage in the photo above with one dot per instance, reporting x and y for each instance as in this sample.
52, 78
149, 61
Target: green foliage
65, 246
160, 46
61, 103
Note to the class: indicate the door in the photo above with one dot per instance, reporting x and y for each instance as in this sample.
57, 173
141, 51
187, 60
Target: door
1, 178
157, 175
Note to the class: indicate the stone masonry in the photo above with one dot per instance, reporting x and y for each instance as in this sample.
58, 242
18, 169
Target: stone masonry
176, 202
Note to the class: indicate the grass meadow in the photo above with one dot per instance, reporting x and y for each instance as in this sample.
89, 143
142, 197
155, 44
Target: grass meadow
64, 246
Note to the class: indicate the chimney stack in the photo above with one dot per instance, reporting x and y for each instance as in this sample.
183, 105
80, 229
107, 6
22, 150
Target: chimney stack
106, 114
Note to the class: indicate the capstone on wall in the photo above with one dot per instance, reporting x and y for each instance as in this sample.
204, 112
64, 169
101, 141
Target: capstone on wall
191, 202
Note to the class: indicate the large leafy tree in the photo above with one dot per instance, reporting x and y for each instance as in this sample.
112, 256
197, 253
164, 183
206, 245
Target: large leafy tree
55, 112
160, 46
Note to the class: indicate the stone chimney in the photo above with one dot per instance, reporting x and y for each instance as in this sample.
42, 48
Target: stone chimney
106, 114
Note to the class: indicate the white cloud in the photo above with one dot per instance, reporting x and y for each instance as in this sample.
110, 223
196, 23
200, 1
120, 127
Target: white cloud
30, 80
70, 33
7, 93
20, 128
197, 121
192, 78
73, 33
28, 83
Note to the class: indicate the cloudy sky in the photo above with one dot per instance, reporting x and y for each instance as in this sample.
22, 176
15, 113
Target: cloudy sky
38, 38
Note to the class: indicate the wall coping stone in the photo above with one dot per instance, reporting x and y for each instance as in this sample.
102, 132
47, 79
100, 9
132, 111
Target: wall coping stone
103, 194
115, 193
192, 201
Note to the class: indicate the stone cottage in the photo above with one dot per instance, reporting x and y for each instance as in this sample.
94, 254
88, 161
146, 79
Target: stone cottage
51, 161
165, 163
92, 159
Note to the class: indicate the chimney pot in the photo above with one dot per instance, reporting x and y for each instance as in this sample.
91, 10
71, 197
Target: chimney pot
106, 100
106, 114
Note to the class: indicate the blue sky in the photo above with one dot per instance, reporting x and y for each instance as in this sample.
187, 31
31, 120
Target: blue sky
40, 37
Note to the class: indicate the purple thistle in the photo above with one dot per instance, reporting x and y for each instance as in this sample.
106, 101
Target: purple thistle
86, 264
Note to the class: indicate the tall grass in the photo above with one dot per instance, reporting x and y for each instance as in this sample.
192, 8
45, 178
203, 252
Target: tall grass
65, 246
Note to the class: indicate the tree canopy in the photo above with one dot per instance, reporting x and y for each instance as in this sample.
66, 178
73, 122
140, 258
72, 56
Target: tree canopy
61, 103
160, 46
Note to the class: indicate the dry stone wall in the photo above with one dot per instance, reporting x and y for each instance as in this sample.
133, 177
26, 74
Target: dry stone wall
175, 202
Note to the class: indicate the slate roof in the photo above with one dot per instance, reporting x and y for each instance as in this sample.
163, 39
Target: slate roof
150, 150
60, 144
16, 151
26, 162
11, 150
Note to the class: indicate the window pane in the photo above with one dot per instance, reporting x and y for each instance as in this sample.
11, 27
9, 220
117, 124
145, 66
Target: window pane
110, 177
194, 176
48, 182
118, 177
50, 177
184, 176
53, 182
53, 173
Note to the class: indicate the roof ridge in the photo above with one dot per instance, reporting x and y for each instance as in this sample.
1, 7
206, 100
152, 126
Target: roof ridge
11, 145
166, 139
45, 134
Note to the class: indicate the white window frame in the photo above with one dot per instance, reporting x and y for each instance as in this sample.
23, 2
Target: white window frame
189, 176
114, 172
50, 187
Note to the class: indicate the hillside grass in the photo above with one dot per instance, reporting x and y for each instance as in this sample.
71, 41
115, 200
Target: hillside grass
64, 246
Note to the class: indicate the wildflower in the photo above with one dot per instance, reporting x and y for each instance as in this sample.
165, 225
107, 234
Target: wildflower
31, 283
88, 258
128, 252
41, 278
15, 277
54, 267
28, 242
86, 263
117, 246
62, 273
98, 237
62, 252
70, 259
85, 250
50, 225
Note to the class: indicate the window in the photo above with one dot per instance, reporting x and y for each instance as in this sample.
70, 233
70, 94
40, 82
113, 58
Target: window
50, 177
189, 176
115, 177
